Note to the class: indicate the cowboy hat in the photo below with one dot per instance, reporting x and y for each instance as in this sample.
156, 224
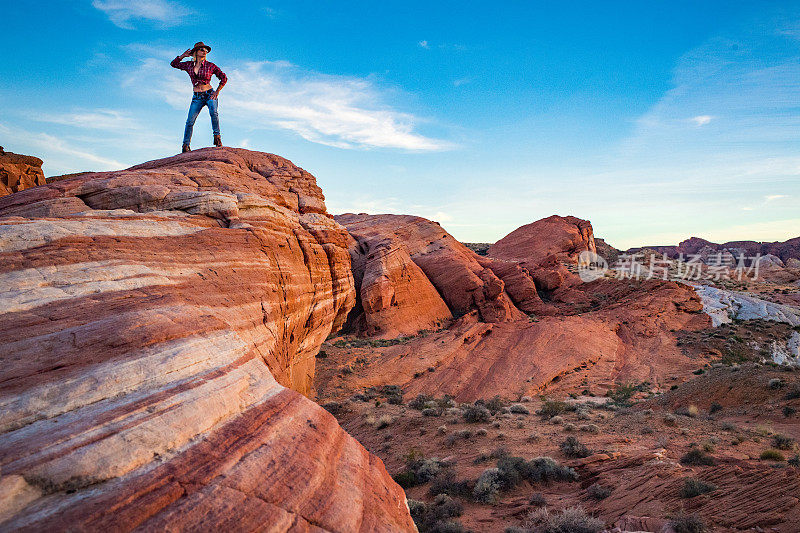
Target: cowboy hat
201, 44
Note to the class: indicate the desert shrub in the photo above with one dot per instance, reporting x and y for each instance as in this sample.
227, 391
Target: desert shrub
419, 402
519, 409
622, 395
533, 437
406, 479
708, 447
647, 430
436, 516
499, 453
395, 399
551, 408
670, 420
427, 469
487, 488
441, 430
557, 420
772, 454
496, 424
569, 427
727, 426
794, 461
546, 469
775, 383
384, 422
481, 432
691, 411
694, 487
782, 442
445, 482
416, 508
598, 492
513, 470
572, 447
418, 470
476, 413
537, 499
788, 411
570, 520
589, 428
456, 436
428, 411
793, 394
687, 523
696, 456
495, 404
714, 408
454, 411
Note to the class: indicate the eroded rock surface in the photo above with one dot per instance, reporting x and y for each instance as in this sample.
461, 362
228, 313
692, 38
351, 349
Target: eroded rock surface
597, 333
564, 237
462, 282
157, 323
19, 172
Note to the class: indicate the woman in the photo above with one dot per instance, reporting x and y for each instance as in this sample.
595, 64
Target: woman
200, 72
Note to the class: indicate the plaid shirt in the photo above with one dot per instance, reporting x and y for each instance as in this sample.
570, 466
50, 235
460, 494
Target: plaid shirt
204, 73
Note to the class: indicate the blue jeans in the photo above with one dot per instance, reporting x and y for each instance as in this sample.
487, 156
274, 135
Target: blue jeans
198, 101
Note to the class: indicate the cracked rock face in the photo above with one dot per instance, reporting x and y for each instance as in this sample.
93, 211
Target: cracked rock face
159, 325
19, 172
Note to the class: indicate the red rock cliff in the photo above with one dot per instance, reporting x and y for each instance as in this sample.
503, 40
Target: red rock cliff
156, 323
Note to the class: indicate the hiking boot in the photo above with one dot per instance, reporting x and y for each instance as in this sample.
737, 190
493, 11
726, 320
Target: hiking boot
185, 149
217, 140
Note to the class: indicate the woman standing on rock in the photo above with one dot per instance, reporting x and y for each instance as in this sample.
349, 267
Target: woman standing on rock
200, 72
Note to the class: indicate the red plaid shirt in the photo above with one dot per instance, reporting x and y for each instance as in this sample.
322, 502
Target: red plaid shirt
204, 73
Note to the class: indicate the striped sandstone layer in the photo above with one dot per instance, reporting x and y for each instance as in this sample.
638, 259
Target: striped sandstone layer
158, 326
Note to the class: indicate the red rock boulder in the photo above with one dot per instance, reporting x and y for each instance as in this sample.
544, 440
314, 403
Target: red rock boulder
19, 172
564, 237
452, 269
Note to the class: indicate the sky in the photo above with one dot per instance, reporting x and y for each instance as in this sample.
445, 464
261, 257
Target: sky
656, 121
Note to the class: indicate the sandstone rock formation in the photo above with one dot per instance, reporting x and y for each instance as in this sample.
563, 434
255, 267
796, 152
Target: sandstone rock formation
456, 273
564, 237
723, 306
19, 172
156, 325
606, 331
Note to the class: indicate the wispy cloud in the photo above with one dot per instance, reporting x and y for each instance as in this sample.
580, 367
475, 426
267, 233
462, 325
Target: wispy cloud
701, 120
773, 197
123, 13
339, 111
443, 46
97, 119
57, 153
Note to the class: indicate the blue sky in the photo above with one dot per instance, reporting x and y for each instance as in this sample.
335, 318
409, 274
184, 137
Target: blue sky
655, 120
